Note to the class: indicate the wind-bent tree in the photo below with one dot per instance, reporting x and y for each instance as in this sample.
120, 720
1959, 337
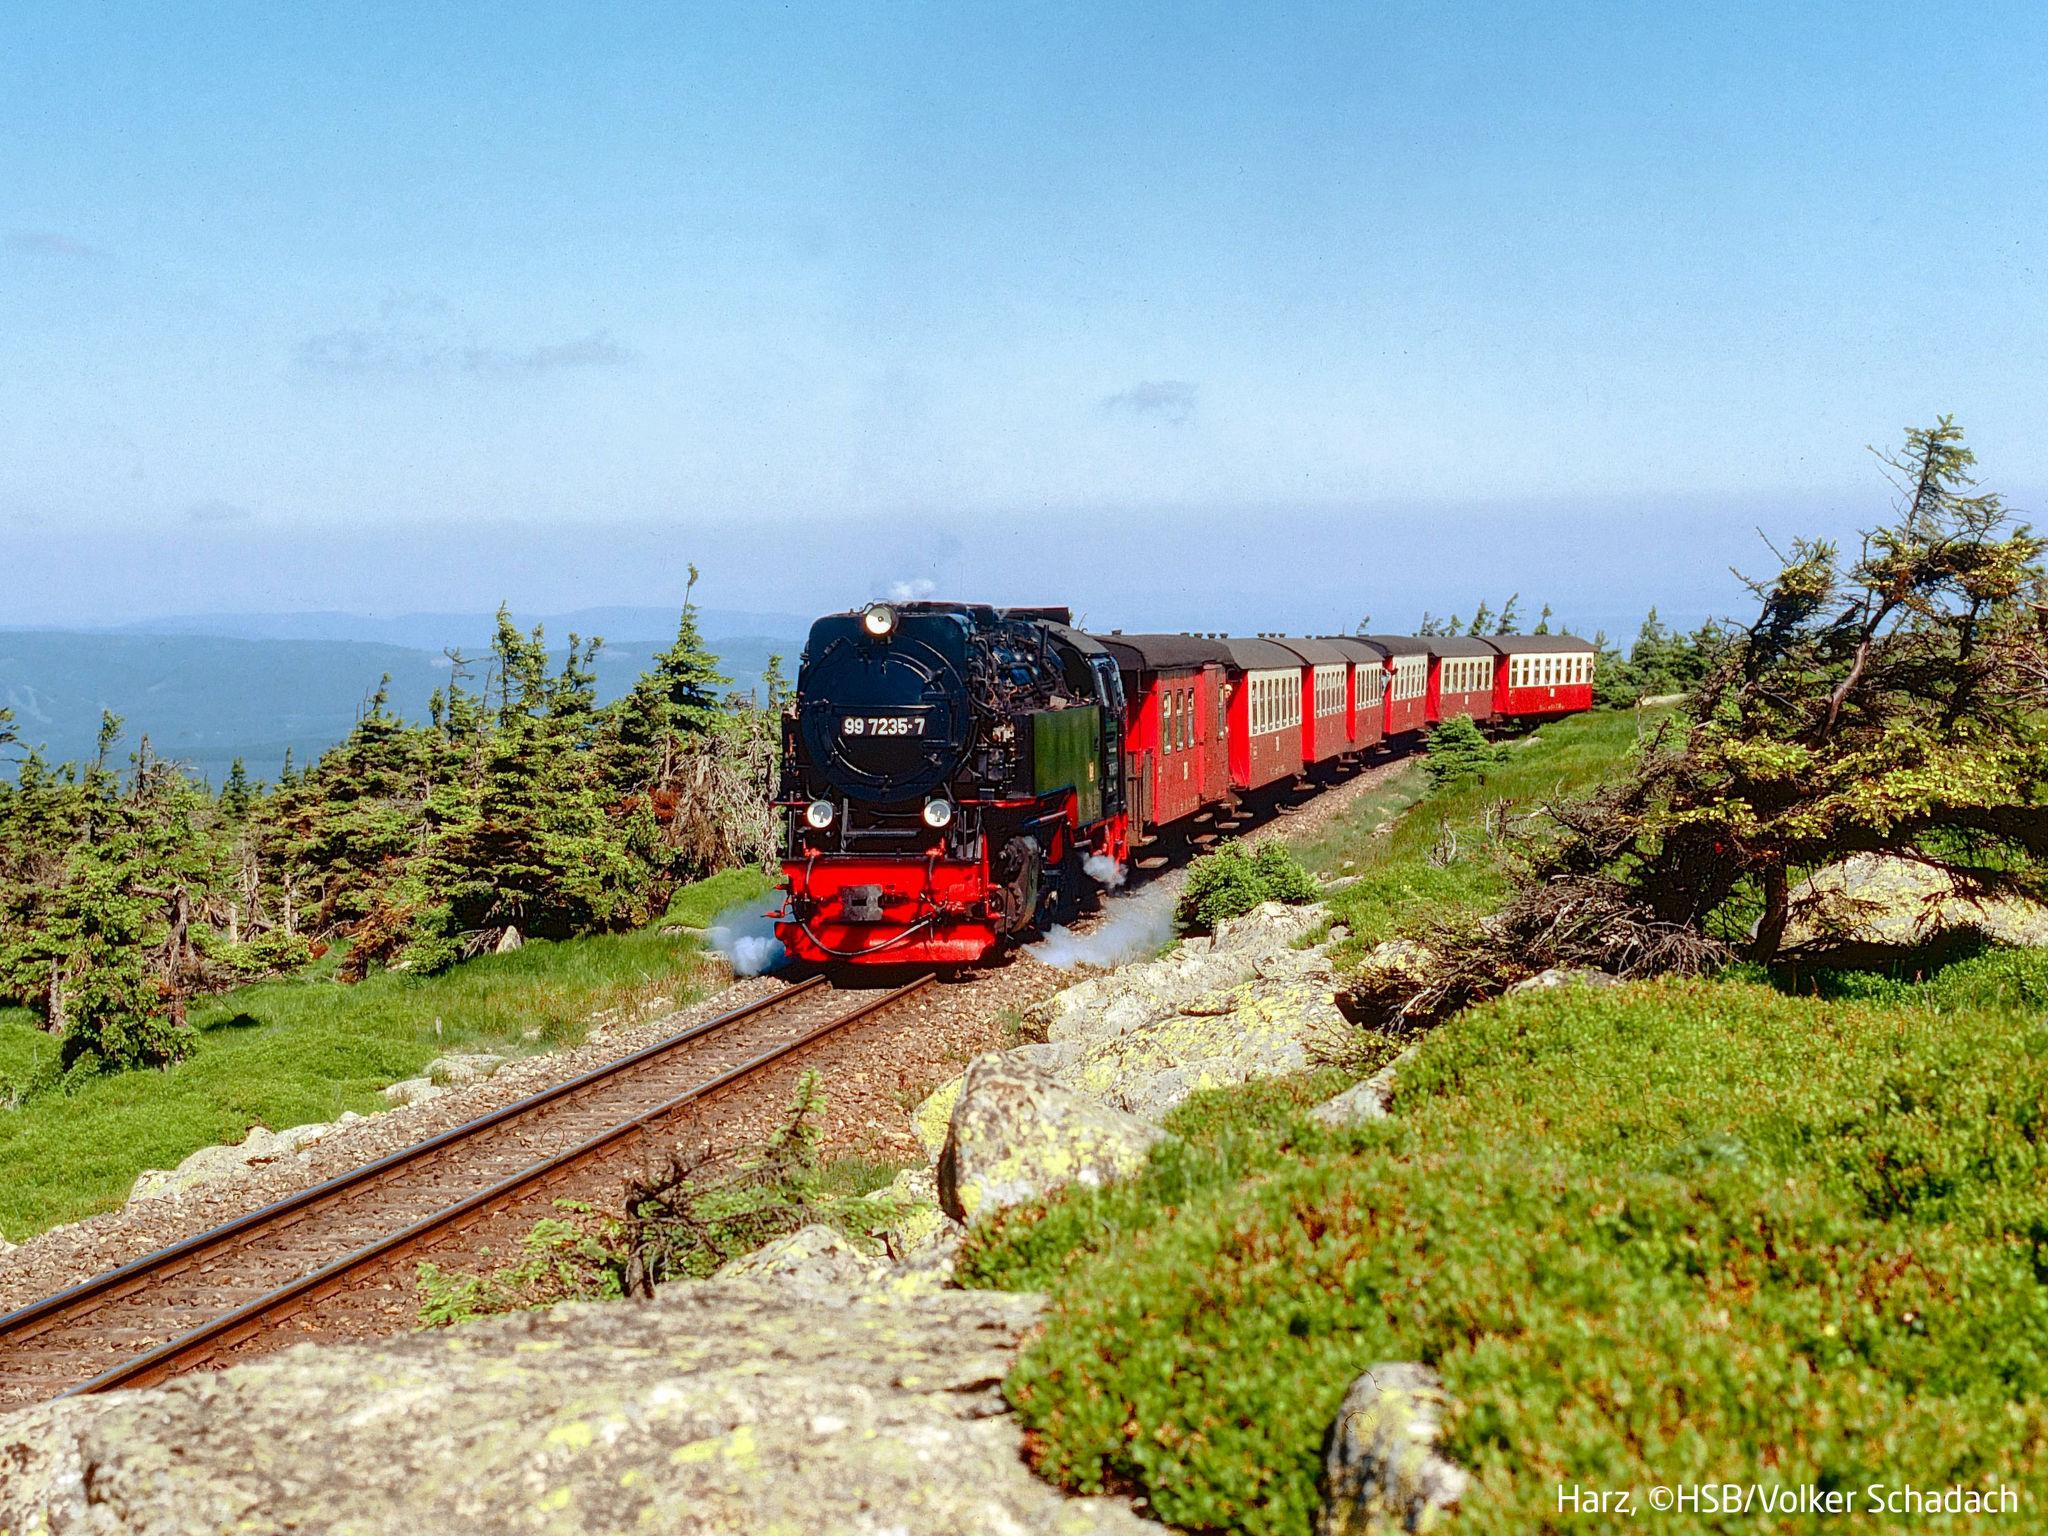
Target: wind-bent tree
1895, 702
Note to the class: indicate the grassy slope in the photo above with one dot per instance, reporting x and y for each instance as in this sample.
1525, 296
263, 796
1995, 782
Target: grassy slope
1656, 1234
1397, 880
286, 1052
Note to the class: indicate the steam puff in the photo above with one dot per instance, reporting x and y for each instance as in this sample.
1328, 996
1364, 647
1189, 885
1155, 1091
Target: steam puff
1103, 870
910, 591
1135, 928
744, 934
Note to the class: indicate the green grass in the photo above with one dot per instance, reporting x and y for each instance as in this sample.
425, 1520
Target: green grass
26, 1053
696, 905
1398, 885
283, 1053
1668, 1233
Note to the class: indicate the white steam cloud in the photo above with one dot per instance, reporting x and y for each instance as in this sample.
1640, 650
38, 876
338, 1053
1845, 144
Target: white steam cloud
1132, 928
1103, 870
910, 591
745, 935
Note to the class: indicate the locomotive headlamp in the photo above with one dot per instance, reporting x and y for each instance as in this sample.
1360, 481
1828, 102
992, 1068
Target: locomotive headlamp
878, 619
819, 814
938, 813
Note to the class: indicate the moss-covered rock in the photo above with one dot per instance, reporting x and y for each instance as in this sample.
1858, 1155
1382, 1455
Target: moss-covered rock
930, 1119
1018, 1133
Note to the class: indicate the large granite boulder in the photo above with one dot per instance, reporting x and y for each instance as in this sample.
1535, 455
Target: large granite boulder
1198, 968
1017, 1133
1381, 1470
813, 1259
719, 1407
1874, 902
1266, 1027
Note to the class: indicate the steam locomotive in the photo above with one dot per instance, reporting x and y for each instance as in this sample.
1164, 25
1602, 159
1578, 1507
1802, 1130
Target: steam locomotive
958, 777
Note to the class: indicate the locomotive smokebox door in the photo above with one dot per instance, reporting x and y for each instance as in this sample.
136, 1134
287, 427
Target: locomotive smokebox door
861, 904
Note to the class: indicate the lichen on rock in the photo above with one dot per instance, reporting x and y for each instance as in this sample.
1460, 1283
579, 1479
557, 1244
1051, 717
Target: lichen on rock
1381, 1470
1018, 1133
719, 1407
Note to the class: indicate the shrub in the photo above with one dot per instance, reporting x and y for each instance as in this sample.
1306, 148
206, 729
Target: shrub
684, 1221
1458, 750
1680, 1232
1234, 879
567, 1258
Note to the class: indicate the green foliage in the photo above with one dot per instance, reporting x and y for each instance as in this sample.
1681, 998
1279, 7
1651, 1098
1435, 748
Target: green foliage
1458, 749
696, 904
522, 804
1395, 853
1662, 662
1234, 879
564, 1258
1670, 1233
1889, 704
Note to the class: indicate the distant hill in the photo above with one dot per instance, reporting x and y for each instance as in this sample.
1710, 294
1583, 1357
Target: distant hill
206, 699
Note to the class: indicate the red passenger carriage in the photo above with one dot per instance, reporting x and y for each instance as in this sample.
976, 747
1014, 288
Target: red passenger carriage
1461, 678
1264, 711
1407, 698
1542, 675
1371, 668
1325, 698
1174, 686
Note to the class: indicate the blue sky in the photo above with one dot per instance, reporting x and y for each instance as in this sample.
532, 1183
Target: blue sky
1266, 316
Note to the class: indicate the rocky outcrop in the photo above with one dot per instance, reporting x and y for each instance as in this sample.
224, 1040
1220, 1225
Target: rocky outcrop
813, 1260
1211, 1013
719, 1407
1565, 976
258, 1148
1878, 902
459, 1069
1017, 1133
456, 1070
1279, 1022
1194, 969
915, 1220
1370, 1099
410, 1090
1381, 1470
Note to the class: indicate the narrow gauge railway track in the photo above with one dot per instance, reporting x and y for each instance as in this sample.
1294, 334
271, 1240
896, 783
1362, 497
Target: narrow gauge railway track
275, 1274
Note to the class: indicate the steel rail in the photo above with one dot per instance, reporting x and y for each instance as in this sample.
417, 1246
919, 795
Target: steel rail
139, 1271
243, 1322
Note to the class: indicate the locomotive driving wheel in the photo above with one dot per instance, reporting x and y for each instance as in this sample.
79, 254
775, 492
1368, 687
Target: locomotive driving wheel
1017, 884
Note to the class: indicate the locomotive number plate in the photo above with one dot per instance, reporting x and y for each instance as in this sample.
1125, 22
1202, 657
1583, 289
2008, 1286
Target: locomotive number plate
882, 725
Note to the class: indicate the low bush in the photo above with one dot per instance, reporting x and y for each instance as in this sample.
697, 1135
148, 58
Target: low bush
1457, 749
1234, 879
1676, 1232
